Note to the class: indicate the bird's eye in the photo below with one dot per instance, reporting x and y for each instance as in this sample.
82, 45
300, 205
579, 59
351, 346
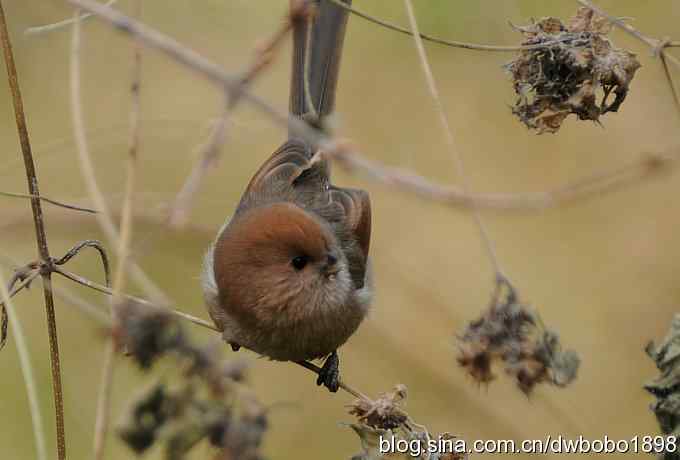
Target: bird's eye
299, 262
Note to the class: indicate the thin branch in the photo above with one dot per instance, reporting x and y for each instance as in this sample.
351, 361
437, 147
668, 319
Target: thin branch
75, 250
25, 282
671, 82
657, 46
595, 184
441, 41
439, 106
87, 169
104, 399
62, 293
27, 371
48, 200
108, 291
193, 319
126, 227
349, 156
41, 238
39, 30
213, 72
209, 152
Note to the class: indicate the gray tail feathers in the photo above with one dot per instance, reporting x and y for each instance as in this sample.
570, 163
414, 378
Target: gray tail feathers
325, 50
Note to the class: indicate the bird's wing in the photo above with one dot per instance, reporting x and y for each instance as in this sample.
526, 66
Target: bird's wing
355, 232
288, 175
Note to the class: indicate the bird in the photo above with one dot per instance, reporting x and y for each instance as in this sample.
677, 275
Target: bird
288, 276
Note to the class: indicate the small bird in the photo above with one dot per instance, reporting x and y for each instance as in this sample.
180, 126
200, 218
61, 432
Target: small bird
288, 276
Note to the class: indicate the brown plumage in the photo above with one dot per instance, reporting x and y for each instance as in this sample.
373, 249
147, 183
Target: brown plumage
288, 276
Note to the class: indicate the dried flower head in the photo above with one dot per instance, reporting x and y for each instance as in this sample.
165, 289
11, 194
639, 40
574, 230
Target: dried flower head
513, 334
147, 332
384, 412
567, 76
205, 400
666, 387
384, 420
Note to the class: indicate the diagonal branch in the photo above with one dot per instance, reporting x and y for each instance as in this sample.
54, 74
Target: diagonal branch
441, 41
441, 112
48, 200
347, 154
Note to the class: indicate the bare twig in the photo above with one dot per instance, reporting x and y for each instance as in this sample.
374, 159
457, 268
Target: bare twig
71, 253
106, 290
207, 157
348, 155
60, 292
25, 281
87, 169
38, 30
594, 184
441, 41
209, 152
198, 321
436, 99
41, 238
104, 400
126, 227
27, 371
48, 200
656, 45
669, 79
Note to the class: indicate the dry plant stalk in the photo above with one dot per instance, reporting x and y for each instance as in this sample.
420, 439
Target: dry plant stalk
568, 77
209, 152
349, 156
41, 238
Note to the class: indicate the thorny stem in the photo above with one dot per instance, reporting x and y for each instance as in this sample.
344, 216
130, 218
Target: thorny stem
41, 238
434, 92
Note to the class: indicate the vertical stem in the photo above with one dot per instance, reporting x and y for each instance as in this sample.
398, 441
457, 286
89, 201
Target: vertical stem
39, 224
104, 399
441, 112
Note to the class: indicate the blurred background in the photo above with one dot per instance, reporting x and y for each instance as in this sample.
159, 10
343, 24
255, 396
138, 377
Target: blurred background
602, 272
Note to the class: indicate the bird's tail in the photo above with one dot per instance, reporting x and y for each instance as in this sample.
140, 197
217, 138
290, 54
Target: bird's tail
320, 67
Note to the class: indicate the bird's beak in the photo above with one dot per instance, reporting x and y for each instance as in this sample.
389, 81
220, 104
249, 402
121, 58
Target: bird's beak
332, 266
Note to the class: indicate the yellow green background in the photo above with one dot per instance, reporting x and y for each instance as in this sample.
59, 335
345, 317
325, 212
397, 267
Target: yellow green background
603, 271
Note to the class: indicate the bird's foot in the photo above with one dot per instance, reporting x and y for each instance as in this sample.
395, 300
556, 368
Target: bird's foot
329, 375
235, 346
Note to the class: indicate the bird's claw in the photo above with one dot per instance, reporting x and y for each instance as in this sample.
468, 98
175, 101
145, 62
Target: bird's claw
329, 375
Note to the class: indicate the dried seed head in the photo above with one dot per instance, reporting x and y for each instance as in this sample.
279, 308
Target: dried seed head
384, 412
147, 332
666, 387
511, 333
567, 76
